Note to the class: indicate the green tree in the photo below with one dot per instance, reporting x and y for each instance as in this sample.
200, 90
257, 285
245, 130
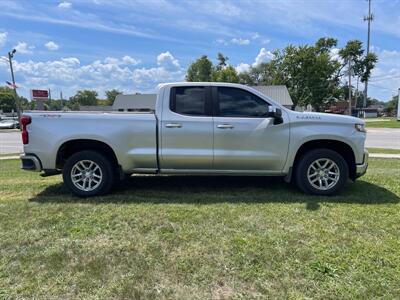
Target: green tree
25, 103
308, 72
200, 70
222, 61
7, 100
53, 104
311, 75
226, 74
71, 105
361, 65
85, 97
391, 107
111, 95
264, 73
204, 70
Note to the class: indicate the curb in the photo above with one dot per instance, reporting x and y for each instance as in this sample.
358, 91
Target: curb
384, 155
9, 157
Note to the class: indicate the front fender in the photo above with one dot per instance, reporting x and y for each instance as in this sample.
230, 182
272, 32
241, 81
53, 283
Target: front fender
345, 133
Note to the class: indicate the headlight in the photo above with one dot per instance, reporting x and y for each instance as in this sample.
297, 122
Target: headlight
360, 127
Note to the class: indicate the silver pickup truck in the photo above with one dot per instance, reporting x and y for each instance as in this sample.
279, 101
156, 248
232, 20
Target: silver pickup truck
197, 128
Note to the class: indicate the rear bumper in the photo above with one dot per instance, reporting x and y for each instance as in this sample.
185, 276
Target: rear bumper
361, 169
30, 162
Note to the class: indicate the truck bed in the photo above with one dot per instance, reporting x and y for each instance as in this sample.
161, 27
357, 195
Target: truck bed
131, 135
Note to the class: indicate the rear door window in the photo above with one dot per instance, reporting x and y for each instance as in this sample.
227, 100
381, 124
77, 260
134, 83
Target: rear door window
189, 100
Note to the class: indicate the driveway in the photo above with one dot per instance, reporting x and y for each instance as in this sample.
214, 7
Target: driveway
10, 140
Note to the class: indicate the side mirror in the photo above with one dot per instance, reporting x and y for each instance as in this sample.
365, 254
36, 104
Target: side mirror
276, 113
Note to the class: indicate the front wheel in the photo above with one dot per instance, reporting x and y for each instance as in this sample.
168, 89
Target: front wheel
321, 172
88, 173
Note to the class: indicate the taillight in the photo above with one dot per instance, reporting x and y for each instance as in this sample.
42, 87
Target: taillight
25, 120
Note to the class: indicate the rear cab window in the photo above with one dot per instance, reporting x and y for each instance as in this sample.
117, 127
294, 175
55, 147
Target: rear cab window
190, 100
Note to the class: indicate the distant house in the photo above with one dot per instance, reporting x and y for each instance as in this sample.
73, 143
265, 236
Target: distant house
135, 102
371, 112
279, 93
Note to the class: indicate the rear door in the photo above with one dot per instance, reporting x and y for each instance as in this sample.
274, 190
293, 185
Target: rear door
187, 129
245, 139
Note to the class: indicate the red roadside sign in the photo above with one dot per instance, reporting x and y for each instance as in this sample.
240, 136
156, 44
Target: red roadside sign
40, 94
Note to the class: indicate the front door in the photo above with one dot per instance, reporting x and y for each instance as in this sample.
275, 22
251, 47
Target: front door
244, 138
187, 129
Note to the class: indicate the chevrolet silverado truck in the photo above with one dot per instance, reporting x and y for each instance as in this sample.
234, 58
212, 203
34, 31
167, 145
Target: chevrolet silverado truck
197, 129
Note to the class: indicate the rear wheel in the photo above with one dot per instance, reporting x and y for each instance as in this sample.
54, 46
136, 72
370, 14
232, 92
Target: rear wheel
88, 173
321, 172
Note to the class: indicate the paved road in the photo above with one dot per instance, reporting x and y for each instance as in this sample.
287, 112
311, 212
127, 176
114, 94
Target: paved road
10, 140
383, 138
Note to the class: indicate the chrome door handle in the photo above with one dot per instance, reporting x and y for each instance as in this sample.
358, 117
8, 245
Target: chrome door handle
173, 125
225, 126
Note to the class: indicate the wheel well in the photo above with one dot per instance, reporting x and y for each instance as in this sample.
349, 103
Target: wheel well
69, 148
340, 147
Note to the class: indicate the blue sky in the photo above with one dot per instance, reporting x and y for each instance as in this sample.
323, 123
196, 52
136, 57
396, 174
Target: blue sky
134, 45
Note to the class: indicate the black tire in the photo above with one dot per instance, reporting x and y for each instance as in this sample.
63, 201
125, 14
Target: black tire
305, 162
107, 173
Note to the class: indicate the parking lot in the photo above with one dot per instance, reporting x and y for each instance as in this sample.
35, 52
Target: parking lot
389, 138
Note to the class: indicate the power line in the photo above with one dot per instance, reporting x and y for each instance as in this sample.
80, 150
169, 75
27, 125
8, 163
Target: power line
382, 87
385, 78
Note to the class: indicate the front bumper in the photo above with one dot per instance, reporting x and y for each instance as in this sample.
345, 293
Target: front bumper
30, 162
361, 169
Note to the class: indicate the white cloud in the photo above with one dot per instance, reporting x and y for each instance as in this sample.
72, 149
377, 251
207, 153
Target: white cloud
334, 54
3, 38
167, 61
242, 67
265, 41
51, 46
240, 41
221, 41
151, 76
222, 9
126, 60
262, 40
130, 60
111, 61
262, 57
24, 48
168, 69
65, 5
69, 74
385, 76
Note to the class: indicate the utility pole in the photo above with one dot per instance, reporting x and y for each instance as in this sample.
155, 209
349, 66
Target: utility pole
61, 100
398, 105
349, 86
10, 57
369, 19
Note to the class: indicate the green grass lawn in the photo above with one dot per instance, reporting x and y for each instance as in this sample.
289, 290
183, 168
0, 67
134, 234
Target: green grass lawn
387, 123
200, 238
383, 150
